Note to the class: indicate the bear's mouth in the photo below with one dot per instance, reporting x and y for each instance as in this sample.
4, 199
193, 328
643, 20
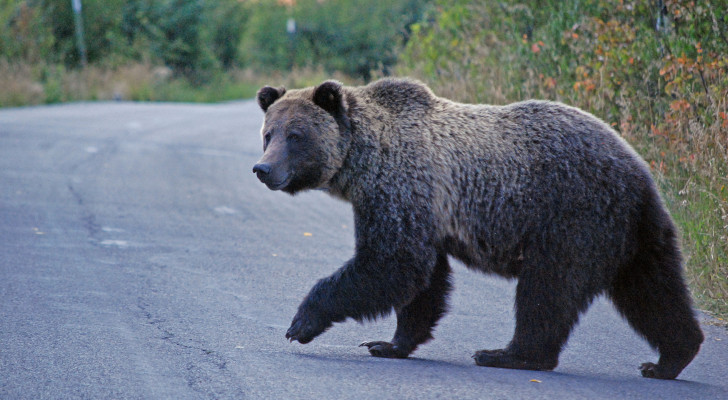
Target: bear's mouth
279, 185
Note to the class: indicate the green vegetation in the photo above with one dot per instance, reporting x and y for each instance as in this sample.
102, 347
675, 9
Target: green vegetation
352, 37
656, 70
192, 50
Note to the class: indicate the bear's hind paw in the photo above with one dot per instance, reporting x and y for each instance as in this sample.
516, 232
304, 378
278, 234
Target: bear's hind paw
655, 371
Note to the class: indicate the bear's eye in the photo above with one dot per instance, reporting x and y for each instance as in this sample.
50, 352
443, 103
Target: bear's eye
266, 140
295, 136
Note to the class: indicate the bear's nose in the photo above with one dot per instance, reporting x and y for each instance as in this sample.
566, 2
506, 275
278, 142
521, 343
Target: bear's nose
261, 169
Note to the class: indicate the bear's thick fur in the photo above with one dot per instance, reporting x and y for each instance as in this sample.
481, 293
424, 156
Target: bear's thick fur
535, 190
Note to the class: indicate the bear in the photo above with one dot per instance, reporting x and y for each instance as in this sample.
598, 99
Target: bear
536, 191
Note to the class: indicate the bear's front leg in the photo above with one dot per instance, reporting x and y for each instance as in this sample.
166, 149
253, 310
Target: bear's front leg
416, 320
364, 288
394, 262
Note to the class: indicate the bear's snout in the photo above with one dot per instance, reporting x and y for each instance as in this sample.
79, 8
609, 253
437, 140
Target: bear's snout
275, 180
261, 169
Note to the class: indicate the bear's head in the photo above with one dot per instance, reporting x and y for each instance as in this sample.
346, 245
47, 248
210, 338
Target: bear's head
305, 136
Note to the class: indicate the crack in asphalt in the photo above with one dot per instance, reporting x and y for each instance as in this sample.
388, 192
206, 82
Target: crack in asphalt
168, 336
198, 379
88, 218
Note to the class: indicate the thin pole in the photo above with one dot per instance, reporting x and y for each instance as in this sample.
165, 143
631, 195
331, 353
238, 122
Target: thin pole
80, 43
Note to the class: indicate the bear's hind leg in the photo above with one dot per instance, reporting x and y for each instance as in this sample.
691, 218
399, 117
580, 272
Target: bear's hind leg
416, 320
651, 294
546, 312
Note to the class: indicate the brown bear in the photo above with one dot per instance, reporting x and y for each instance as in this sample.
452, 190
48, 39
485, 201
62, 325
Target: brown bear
538, 191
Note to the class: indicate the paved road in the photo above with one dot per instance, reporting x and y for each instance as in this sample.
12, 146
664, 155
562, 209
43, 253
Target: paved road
140, 258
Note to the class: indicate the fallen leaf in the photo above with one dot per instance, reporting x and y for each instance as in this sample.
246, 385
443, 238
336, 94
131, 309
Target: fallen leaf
535, 380
307, 234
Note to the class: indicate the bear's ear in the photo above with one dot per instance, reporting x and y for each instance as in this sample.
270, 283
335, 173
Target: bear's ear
328, 96
268, 95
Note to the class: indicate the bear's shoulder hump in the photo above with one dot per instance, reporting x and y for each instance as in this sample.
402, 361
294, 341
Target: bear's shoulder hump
401, 93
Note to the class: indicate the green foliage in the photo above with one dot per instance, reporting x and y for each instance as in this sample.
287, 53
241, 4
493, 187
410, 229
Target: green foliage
354, 37
24, 31
346, 36
265, 44
198, 47
101, 24
174, 31
194, 38
226, 24
199, 39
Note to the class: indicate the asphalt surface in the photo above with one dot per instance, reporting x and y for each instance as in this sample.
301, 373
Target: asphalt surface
140, 258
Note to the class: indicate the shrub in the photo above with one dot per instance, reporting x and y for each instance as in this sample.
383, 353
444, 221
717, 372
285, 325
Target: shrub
355, 38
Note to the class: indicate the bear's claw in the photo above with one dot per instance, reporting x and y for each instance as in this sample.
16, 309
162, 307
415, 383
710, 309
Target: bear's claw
384, 349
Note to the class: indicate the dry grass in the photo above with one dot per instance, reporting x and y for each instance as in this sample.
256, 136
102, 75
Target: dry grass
24, 84
18, 88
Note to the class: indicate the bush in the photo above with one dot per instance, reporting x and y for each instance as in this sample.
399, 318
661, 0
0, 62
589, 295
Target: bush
200, 39
174, 32
101, 24
24, 32
355, 38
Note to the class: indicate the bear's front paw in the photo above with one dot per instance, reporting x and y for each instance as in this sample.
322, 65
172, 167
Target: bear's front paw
385, 349
305, 327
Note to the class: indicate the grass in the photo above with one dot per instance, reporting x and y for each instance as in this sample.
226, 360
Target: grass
25, 84
700, 209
